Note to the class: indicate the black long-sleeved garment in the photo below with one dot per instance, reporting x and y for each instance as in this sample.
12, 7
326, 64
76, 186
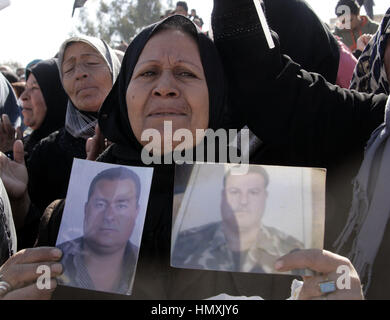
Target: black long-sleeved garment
49, 167
302, 119
304, 37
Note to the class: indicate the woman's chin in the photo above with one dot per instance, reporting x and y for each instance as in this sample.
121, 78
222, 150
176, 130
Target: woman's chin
88, 106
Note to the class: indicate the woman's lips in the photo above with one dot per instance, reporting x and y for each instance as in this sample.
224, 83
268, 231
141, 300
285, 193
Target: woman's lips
83, 90
161, 113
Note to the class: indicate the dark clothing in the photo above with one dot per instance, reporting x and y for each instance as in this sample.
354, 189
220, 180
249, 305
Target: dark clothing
302, 119
155, 279
304, 37
49, 167
315, 124
47, 76
76, 273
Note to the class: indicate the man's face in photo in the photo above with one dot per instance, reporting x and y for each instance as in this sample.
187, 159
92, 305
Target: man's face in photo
245, 196
110, 215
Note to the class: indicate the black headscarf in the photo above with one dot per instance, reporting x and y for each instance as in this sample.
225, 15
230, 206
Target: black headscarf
113, 120
48, 78
113, 117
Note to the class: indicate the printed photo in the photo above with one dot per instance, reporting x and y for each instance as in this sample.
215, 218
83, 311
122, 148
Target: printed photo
102, 224
249, 220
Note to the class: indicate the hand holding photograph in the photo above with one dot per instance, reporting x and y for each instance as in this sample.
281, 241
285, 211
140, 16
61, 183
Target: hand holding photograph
102, 225
253, 219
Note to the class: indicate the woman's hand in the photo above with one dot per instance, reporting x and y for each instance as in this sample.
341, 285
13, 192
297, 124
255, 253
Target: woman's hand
334, 271
19, 274
14, 175
14, 172
96, 145
7, 134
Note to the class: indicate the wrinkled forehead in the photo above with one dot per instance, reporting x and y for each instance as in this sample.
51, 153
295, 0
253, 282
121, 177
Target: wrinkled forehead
31, 79
175, 44
79, 48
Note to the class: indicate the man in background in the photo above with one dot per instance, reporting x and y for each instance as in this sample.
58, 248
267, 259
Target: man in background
352, 25
182, 8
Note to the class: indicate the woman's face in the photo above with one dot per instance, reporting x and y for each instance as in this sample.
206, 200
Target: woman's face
168, 84
387, 60
34, 105
86, 77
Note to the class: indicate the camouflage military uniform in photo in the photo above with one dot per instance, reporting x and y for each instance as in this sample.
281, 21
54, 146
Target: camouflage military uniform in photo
76, 273
205, 247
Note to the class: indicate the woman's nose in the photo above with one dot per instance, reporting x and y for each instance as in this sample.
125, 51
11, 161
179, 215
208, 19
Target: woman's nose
80, 71
166, 86
25, 95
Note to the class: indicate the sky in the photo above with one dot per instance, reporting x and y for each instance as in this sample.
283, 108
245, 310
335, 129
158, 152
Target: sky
35, 29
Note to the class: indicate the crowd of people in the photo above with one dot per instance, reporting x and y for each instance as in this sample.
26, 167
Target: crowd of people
88, 103
182, 8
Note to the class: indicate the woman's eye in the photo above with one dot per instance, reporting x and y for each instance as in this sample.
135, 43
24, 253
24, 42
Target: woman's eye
68, 70
187, 74
148, 74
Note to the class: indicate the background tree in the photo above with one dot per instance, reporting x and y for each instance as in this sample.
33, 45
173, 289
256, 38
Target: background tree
119, 20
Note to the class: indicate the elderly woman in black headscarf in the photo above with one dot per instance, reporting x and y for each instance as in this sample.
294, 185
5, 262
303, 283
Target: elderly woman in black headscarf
191, 95
44, 102
170, 72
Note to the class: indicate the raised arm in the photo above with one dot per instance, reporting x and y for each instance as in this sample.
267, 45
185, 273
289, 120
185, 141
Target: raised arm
309, 121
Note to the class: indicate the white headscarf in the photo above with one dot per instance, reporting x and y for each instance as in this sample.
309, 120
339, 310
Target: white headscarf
82, 124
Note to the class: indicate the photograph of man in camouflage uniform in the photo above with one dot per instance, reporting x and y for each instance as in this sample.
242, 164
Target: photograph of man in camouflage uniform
240, 241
